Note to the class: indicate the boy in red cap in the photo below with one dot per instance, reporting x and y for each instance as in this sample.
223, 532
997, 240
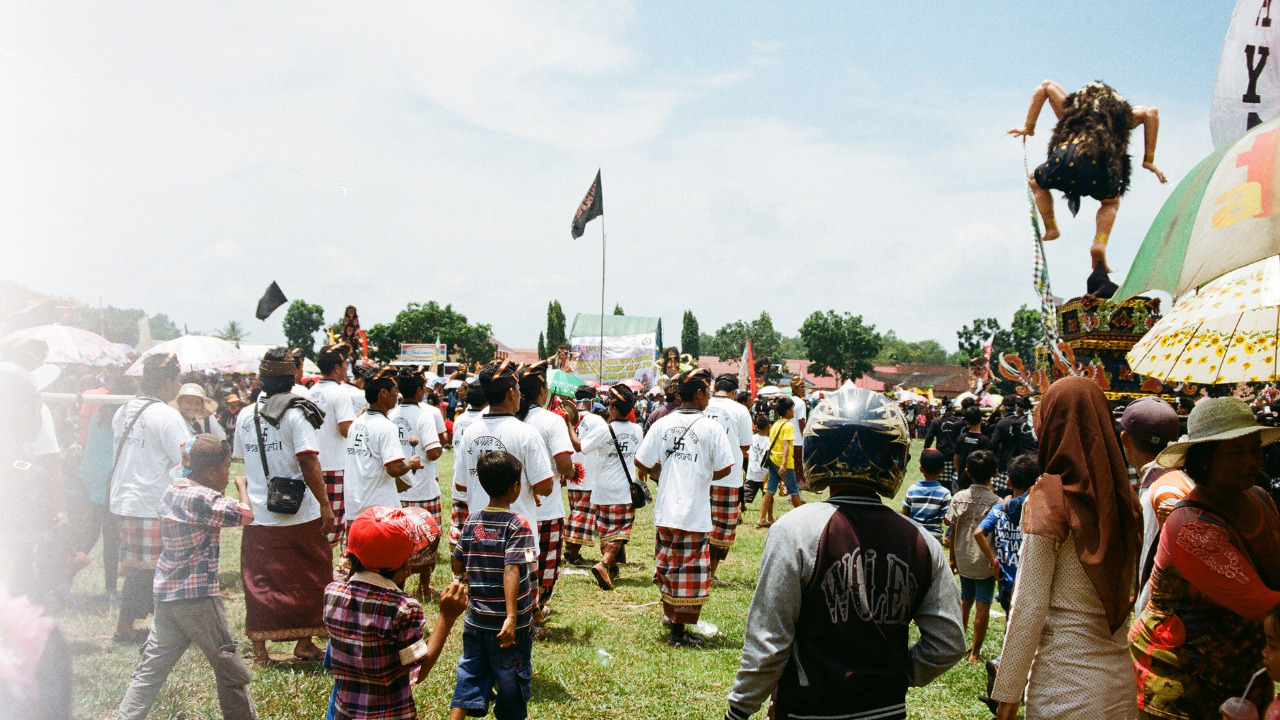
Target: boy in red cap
376, 649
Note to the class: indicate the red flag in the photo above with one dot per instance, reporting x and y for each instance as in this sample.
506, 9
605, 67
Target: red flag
592, 207
747, 369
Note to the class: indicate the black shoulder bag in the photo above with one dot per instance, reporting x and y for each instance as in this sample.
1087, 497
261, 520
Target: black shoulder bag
284, 495
767, 460
128, 430
639, 491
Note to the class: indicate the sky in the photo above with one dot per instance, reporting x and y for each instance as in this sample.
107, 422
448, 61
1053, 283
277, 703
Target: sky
756, 156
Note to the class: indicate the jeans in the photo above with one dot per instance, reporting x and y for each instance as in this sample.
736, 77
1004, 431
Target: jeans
489, 673
176, 625
788, 477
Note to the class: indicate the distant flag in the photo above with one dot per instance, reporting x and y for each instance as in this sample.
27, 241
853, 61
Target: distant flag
591, 208
747, 369
986, 349
271, 299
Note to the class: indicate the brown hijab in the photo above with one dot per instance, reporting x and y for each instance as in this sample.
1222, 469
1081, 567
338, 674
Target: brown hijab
1084, 491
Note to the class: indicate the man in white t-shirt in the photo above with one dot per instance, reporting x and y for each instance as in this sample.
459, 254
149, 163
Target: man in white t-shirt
556, 433
579, 527
614, 444
285, 557
148, 434
689, 451
725, 507
499, 429
417, 433
374, 456
330, 394
477, 405
801, 405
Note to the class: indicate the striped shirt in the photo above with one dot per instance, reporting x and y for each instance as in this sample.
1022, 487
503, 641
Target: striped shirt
492, 539
926, 503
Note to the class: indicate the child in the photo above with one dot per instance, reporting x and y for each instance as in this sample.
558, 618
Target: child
497, 554
927, 500
188, 604
1271, 657
1002, 523
756, 471
376, 649
977, 582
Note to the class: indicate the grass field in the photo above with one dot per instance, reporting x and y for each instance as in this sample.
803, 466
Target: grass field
605, 658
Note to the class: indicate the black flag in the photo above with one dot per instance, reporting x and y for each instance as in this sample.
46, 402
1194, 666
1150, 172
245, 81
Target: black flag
591, 208
271, 299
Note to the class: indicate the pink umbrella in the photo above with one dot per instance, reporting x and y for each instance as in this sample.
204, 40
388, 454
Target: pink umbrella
71, 346
635, 385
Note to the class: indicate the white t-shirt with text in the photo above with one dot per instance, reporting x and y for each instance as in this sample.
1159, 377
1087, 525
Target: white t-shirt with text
736, 421
502, 432
802, 411
691, 447
335, 400
587, 423
613, 482
411, 421
282, 446
146, 458
373, 441
555, 433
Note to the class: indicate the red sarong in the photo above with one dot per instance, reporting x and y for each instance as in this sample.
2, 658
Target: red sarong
285, 570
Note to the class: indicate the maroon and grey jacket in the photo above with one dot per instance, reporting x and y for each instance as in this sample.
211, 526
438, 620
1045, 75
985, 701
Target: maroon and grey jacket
827, 635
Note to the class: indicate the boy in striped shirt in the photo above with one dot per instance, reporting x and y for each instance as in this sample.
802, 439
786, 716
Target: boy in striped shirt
927, 500
497, 554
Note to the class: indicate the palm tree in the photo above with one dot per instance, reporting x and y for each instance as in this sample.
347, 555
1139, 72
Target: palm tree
233, 332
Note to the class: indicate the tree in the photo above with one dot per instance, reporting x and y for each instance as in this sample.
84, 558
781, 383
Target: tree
791, 348
121, 324
557, 334
839, 344
729, 340
896, 351
690, 340
972, 338
301, 322
542, 347
422, 323
233, 332
162, 328
617, 309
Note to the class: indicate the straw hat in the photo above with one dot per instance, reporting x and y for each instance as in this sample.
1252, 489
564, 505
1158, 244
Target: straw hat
1223, 418
194, 390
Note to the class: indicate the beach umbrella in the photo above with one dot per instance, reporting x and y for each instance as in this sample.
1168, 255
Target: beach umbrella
71, 346
1224, 215
1225, 333
769, 390
199, 353
635, 385
563, 384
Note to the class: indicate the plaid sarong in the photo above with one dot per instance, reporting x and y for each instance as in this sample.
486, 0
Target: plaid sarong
682, 572
550, 533
333, 488
613, 522
432, 506
724, 519
581, 526
457, 518
949, 473
140, 542
1000, 483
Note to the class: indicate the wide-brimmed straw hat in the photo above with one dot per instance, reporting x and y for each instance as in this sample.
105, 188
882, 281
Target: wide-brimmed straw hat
1224, 418
194, 390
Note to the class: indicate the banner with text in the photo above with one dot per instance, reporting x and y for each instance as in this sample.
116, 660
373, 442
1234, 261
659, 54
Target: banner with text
626, 357
423, 353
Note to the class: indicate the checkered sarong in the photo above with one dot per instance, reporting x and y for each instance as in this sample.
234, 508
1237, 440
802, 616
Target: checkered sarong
140, 542
550, 534
333, 488
949, 473
581, 527
724, 519
457, 518
1000, 483
613, 522
682, 572
432, 506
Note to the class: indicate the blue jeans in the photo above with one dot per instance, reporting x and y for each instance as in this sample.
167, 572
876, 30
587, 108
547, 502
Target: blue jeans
788, 477
489, 673
979, 590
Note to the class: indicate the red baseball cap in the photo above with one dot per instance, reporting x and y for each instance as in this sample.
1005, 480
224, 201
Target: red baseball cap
384, 538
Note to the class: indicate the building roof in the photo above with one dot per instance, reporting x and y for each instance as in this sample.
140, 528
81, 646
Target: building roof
948, 380
795, 367
614, 325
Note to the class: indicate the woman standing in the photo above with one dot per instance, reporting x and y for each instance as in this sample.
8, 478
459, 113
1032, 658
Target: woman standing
1217, 571
1065, 639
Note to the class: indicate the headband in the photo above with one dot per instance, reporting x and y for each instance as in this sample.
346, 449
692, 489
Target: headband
274, 368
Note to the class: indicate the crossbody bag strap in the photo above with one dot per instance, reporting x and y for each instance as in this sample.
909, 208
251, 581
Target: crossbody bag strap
618, 447
262, 451
111, 476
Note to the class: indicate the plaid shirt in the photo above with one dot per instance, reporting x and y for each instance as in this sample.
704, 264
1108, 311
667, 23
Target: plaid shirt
375, 637
191, 516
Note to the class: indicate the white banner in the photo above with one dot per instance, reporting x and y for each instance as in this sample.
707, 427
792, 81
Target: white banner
626, 357
1247, 91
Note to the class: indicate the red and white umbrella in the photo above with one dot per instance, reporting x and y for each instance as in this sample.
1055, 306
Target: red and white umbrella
71, 346
199, 353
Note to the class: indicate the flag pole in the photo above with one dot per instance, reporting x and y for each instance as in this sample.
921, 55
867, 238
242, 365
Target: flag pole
600, 377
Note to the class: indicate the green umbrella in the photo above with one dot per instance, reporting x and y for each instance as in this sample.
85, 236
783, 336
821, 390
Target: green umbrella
1225, 214
563, 384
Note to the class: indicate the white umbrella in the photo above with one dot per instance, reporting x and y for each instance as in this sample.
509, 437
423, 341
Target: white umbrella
71, 346
199, 353
769, 390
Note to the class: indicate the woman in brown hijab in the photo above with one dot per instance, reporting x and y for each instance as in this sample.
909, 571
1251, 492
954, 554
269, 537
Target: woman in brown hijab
1066, 639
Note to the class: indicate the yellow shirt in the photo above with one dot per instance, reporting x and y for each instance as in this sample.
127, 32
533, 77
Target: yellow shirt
780, 434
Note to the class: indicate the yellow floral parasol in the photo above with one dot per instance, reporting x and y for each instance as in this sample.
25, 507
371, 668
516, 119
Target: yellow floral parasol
1224, 333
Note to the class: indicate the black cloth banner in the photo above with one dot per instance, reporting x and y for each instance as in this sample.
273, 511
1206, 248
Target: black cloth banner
591, 208
271, 299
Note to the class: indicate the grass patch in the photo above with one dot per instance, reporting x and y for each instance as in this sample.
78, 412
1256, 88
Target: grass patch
606, 657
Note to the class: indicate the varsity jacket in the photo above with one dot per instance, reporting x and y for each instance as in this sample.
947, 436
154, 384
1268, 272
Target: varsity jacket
840, 583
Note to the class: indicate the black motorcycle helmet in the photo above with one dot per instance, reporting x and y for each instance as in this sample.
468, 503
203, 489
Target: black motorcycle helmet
856, 437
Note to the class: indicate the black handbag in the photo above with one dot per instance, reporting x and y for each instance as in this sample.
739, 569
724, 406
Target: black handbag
284, 494
639, 491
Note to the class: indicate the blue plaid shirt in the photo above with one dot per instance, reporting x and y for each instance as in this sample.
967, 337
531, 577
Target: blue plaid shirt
191, 518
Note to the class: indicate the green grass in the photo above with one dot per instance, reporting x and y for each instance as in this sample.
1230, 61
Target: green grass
606, 656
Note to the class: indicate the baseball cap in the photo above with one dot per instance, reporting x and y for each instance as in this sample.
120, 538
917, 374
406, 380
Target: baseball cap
384, 538
1151, 420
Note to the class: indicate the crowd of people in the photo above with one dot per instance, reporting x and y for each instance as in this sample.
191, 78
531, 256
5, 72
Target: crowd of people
1134, 548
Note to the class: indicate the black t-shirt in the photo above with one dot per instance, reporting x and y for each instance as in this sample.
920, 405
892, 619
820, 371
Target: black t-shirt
1011, 439
967, 443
